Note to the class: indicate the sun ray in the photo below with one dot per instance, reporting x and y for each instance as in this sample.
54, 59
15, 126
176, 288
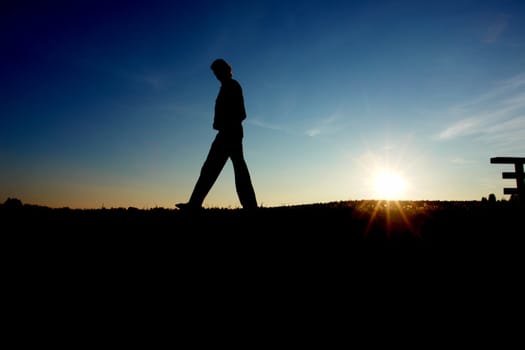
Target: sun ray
396, 220
407, 222
372, 218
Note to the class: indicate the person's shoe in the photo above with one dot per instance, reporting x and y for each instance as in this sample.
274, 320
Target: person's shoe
188, 207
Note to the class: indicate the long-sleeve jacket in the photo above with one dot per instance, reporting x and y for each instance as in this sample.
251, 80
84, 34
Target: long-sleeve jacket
229, 108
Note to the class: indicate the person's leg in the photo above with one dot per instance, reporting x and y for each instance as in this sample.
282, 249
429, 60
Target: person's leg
212, 167
243, 182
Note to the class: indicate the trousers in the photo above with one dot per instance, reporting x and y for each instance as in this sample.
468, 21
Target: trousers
223, 147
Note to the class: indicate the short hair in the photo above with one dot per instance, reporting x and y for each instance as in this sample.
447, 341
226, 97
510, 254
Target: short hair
220, 65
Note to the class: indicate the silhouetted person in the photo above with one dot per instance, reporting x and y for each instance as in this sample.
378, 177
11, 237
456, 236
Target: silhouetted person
229, 114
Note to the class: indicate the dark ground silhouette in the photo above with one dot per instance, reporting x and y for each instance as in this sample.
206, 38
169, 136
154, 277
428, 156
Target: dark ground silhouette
476, 237
447, 223
434, 258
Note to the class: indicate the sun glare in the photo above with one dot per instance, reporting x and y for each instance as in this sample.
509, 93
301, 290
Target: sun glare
389, 185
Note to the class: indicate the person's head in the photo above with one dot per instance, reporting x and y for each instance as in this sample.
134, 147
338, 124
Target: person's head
221, 69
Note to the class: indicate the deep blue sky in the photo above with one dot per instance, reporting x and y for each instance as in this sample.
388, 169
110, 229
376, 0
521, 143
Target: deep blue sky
111, 102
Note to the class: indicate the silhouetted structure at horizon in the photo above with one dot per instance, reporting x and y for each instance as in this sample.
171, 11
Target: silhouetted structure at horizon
518, 174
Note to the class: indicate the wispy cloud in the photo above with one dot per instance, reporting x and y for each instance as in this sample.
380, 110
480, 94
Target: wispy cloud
314, 127
154, 81
508, 133
313, 132
460, 128
497, 116
460, 161
265, 125
324, 125
496, 29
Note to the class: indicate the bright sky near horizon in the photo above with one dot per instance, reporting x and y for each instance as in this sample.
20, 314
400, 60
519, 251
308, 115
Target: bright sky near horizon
110, 103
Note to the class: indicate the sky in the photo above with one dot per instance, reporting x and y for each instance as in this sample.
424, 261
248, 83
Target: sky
110, 103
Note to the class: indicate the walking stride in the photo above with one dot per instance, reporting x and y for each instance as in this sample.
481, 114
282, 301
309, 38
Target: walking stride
229, 114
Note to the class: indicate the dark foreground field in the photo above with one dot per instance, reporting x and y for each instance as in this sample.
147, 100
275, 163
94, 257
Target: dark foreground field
347, 223
302, 265
318, 238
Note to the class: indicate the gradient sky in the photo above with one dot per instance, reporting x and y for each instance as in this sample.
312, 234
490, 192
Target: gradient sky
110, 103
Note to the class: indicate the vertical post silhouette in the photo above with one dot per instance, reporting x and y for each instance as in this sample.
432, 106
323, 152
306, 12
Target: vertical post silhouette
230, 112
518, 174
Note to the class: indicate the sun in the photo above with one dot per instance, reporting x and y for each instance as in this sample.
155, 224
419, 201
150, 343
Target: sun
389, 184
